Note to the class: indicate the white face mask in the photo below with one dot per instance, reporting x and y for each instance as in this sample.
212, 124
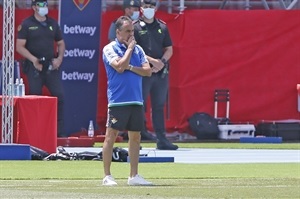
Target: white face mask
148, 12
43, 11
135, 15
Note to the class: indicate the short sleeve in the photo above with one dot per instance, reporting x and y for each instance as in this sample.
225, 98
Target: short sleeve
109, 53
22, 31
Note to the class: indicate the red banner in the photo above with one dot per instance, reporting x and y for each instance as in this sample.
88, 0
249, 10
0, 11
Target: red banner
254, 54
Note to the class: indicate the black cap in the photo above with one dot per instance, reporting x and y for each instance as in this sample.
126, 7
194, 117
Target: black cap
131, 3
152, 2
33, 2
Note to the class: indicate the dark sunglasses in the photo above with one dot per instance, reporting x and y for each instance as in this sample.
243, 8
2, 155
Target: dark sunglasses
41, 4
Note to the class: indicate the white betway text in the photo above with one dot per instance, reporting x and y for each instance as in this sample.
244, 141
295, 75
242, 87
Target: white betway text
77, 29
77, 76
80, 53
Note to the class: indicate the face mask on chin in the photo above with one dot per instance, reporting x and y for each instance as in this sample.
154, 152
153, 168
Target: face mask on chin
135, 15
148, 12
43, 11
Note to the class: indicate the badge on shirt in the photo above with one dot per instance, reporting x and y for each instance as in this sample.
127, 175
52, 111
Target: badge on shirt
142, 24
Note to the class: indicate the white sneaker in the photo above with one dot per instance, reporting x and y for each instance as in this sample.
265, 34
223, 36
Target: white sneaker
138, 181
109, 181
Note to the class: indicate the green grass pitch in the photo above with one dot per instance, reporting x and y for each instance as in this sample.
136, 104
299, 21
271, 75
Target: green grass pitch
82, 179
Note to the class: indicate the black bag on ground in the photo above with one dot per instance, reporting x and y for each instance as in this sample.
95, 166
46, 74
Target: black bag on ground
289, 131
62, 154
119, 154
204, 126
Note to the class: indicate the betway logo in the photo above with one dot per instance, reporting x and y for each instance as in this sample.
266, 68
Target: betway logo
80, 53
77, 29
77, 76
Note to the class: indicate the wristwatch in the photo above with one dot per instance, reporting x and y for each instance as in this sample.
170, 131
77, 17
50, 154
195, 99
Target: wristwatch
164, 61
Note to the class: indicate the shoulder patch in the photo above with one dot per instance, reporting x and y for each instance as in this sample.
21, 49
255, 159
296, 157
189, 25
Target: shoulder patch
19, 27
161, 21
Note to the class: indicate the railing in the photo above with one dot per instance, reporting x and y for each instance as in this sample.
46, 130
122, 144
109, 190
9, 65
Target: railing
26, 4
181, 5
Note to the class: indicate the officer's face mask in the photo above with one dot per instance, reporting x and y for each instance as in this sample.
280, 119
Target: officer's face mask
149, 12
135, 15
43, 11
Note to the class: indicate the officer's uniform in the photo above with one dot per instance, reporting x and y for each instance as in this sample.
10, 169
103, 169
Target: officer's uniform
40, 37
154, 38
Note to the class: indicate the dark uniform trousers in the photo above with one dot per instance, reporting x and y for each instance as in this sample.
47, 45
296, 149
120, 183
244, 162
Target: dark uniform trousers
52, 80
158, 87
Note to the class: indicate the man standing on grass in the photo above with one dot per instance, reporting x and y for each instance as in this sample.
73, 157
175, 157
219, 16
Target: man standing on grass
125, 64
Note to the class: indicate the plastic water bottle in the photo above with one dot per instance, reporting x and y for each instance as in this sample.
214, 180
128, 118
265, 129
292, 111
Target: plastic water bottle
10, 87
21, 88
91, 129
16, 88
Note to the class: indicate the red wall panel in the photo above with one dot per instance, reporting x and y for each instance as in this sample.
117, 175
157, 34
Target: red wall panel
255, 54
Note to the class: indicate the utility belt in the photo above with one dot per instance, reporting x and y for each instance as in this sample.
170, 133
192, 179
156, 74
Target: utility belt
47, 65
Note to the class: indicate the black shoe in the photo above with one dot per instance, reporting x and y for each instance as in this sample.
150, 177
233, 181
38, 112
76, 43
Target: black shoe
147, 136
166, 145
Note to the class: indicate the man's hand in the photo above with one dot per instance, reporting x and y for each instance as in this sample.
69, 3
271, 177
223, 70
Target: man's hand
157, 65
131, 43
56, 62
37, 65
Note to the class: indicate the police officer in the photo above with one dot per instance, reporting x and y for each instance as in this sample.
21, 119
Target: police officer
37, 36
153, 36
132, 10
